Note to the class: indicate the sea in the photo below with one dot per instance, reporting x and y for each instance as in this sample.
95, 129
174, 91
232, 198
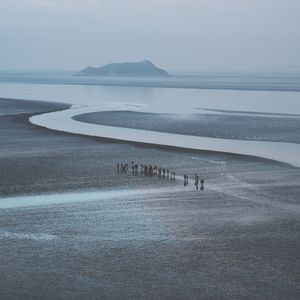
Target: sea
263, 96
245, 92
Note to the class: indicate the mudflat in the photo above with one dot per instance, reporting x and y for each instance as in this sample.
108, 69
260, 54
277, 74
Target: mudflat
78, 229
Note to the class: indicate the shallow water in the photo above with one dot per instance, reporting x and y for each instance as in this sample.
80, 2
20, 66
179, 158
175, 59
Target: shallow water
182, 102
173, 100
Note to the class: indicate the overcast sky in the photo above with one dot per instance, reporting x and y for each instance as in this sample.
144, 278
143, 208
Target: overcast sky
187, 35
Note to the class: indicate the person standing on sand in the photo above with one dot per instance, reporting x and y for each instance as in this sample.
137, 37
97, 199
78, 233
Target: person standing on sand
186, 180
197, 182
202, 184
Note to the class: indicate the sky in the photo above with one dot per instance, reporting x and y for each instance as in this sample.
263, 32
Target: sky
178, 35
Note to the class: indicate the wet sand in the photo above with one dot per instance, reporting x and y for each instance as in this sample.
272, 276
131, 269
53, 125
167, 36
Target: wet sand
239, 239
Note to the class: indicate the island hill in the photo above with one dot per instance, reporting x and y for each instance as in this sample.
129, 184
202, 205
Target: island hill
142, 68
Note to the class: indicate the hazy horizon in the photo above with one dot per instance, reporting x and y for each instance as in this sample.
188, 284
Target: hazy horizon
188, 36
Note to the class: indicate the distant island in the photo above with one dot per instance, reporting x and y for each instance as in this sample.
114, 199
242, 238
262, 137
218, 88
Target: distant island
142, 68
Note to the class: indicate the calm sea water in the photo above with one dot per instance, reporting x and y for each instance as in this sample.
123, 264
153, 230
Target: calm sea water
260, 81
259, 93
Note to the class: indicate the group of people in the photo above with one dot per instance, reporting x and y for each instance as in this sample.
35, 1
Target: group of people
123, 168
197, 181
147, 170
150, 170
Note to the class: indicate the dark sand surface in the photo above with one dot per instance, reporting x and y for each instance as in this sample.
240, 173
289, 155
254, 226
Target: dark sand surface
261, 128
239, 239
15, 106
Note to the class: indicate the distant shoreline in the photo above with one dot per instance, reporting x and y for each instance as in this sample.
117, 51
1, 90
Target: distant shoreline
180, 82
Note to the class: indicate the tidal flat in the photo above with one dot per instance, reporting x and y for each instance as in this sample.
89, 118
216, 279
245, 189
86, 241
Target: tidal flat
72, 227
